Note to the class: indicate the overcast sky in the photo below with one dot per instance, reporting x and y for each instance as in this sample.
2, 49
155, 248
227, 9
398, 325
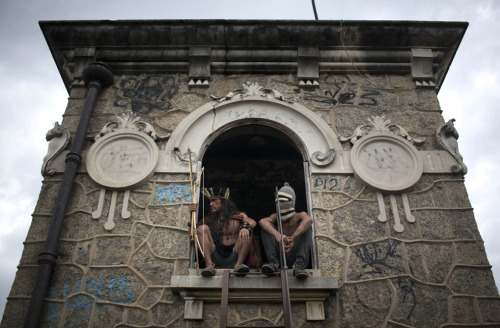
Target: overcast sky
33, 97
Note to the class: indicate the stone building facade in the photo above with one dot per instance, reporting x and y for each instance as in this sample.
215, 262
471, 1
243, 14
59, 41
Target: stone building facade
347, 112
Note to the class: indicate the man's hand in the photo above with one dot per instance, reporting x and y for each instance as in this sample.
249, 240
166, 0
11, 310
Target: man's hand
288, 243
244, 235
192, 207
277, 236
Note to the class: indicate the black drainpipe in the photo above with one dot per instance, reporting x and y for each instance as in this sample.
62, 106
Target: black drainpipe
96, 76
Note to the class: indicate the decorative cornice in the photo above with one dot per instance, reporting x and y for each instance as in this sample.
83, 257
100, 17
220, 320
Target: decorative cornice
250, 89
380, 124
252, 46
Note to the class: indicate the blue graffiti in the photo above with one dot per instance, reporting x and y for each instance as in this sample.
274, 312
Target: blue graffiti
120, 291
173, 194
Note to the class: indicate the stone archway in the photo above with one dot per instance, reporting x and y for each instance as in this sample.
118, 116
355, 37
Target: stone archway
317, 142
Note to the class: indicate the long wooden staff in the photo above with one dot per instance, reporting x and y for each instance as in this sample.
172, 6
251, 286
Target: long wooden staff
287, 314
194, 232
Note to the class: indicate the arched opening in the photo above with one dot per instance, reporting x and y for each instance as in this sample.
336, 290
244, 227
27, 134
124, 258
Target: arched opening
252, 160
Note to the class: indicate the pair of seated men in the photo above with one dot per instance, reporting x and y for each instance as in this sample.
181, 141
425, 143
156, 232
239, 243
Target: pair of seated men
226, 235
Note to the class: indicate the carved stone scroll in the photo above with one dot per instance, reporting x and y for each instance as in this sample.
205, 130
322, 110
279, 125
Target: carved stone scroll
320, 159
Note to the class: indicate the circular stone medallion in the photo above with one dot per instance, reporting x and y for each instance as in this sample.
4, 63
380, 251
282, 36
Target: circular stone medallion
386, 162
122, 159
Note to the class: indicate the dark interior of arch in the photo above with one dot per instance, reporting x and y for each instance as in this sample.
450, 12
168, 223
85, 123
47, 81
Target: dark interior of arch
252, 160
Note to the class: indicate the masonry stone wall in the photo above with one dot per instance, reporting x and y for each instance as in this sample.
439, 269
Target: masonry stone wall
433, 274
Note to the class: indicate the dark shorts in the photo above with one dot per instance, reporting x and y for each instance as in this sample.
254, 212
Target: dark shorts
224, 262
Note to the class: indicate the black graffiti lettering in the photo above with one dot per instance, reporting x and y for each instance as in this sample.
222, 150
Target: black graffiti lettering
368, 96
406, 296
345, 97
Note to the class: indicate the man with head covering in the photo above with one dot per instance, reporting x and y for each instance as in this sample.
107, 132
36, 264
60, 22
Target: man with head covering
225, 234
297, 235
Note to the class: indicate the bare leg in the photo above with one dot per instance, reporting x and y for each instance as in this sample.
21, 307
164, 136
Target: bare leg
207, 243
242, 248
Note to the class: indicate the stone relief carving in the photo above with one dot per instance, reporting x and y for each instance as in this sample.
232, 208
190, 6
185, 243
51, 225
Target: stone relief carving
183, 159
382, 217
251, 89
320, 159
447, 136
385, 159
123, 156
380, 124
58, 138
127, 120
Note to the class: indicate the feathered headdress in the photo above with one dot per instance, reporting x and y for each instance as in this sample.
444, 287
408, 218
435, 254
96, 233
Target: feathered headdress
216, 192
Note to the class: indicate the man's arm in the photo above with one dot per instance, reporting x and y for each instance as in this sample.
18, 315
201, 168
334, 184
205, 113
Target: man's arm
267, 224
304, 225
245, 233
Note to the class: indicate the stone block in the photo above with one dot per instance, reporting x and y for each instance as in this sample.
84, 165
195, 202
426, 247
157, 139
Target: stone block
401, 81
335, 200
489, 309
364, 305
140, 233
170, 121
322, 222
376, 260
108, 315
66, 281
79, 308
430, 262
189, 101
150, 297
65, 251
83, 250
170, 243
48, 196
419, 305
352, 186
24, 281
31, 252
220, 87
112, 250
39, 228
463, 310
118, 285
473, 281
331, 257
157, 271
165, 314
357, 223
169, 216
81, 226
457, 194
14, 310
138, 317
442, 224
347, 119
471, 253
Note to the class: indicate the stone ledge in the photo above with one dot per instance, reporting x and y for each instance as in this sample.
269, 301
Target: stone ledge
254, 288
